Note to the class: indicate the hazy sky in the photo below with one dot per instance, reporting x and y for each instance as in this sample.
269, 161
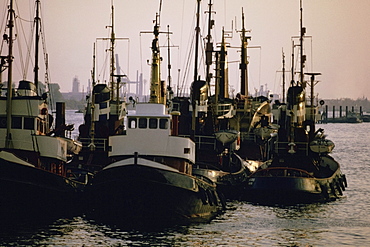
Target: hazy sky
338, 44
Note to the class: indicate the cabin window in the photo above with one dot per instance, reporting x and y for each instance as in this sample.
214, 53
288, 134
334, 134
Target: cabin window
2, 122
103, 117
29, 123
143, 123
176, 107
132, 123
16, 122
163, 123
103, 105
153, 123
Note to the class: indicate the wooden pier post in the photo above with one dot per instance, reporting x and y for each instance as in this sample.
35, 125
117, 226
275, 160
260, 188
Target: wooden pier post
333, 111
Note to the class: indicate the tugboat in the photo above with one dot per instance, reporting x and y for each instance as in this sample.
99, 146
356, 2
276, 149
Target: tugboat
252, 116
215, 119
301, 169
104, 113
216, 142
35, 178
149, 179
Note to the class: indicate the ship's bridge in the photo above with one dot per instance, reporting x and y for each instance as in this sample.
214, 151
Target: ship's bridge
149, 133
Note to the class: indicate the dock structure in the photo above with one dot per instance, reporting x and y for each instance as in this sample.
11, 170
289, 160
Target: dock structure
347, 116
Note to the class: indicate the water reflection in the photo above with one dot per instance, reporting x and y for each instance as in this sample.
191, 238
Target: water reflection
243, 224
79, 231
309, 211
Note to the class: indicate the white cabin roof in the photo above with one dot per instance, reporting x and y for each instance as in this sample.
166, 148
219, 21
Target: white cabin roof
149, 110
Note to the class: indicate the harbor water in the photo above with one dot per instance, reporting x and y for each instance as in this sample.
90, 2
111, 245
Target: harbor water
344, 222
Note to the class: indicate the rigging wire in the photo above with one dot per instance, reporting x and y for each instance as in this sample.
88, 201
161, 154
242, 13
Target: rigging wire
189, 51
4, 19
179, 57
4, 14
187, 65
18, 25
47, 75
29, 61
106, 61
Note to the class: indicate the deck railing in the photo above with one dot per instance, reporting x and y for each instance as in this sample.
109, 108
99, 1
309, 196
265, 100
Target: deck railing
101, 144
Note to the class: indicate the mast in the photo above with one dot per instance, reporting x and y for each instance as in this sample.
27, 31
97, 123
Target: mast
209, 45
283, 77
244, 61
37, 39
312, 96
292, 69
197, 33
112, 41
92, 103
169, 57
10, 65
156, 94
222, 76
169, 90
303, 57
194, 104
93, 70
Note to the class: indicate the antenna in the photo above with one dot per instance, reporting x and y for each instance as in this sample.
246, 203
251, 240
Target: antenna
159, 12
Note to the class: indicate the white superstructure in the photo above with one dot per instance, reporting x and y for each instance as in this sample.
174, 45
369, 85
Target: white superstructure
149, 133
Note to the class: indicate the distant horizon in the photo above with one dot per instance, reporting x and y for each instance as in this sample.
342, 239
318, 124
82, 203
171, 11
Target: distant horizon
336, 45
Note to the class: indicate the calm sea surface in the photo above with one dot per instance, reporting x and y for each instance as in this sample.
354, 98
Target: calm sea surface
345, 222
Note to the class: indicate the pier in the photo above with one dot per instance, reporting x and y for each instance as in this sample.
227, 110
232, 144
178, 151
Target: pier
346, 116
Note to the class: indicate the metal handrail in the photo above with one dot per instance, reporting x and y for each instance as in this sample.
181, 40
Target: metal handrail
300, 146
100, 143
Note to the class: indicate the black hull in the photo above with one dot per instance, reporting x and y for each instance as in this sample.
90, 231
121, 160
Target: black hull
294, 190
27, 192
230, 184
139, 195
229, 178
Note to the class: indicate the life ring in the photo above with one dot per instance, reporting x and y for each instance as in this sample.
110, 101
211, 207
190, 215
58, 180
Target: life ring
292, 148
44, 111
